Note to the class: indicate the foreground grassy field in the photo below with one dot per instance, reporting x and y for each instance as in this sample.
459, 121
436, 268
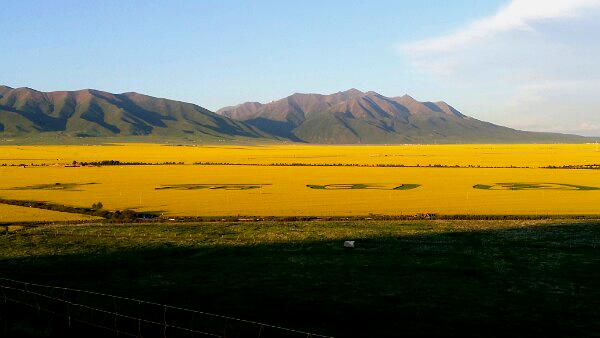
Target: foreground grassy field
417, 278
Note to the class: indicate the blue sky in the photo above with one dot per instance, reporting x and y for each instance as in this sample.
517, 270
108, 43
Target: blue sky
528, 64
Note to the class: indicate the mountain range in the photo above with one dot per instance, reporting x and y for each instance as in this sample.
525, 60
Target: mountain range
349, 117
353, 116
92, 113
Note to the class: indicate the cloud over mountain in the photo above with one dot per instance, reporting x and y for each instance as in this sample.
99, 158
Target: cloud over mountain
523, 53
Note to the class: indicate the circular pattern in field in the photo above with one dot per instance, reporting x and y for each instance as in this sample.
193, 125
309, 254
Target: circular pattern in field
211, 186
362, 186
53, 186
533, 186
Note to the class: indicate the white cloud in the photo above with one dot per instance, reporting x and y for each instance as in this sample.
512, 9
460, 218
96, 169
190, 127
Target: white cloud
567, 107
593, 128
518, 15
529, 94
532, 65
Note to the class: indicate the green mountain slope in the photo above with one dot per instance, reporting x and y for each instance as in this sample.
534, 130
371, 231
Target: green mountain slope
356, 117
92, 113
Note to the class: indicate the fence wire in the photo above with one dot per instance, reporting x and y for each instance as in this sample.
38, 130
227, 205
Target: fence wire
133, 317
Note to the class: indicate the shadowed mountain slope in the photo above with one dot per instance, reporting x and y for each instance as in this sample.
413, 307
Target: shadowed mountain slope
93, 113
356, 117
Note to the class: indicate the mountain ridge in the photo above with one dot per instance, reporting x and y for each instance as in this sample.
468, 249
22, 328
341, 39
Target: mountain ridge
354, 116
93, 113
347, 117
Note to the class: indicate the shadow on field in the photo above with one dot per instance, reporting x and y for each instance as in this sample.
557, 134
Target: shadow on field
539, 280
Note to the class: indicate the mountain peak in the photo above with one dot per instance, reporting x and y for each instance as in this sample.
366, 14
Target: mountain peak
448, 109
408, 98
25, 89
236, 111
352, 91
4, 90
372, 93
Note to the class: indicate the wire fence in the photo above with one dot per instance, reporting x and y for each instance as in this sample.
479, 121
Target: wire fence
123, 316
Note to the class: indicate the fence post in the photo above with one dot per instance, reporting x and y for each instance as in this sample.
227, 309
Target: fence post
4, 313
165, 322
116, 313
192, 323
139, 318
68, 309
37, 306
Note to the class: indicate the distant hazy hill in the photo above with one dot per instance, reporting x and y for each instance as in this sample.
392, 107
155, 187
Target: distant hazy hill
93, 113
356, 117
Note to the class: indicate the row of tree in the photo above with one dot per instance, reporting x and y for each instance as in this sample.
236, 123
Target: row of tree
97, 209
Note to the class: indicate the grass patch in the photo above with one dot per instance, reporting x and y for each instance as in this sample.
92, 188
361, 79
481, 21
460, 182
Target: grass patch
410, 278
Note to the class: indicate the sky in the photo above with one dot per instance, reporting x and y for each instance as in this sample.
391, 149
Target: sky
527, 64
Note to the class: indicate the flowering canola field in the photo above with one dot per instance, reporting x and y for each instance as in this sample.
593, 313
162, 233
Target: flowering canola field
12, 213
253, 190
498, 155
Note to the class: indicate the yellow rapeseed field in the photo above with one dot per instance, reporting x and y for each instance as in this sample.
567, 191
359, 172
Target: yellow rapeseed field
198, 190
11, 213
525, 155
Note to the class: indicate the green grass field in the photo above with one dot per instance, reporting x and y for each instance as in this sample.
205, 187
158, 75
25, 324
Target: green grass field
404, 278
